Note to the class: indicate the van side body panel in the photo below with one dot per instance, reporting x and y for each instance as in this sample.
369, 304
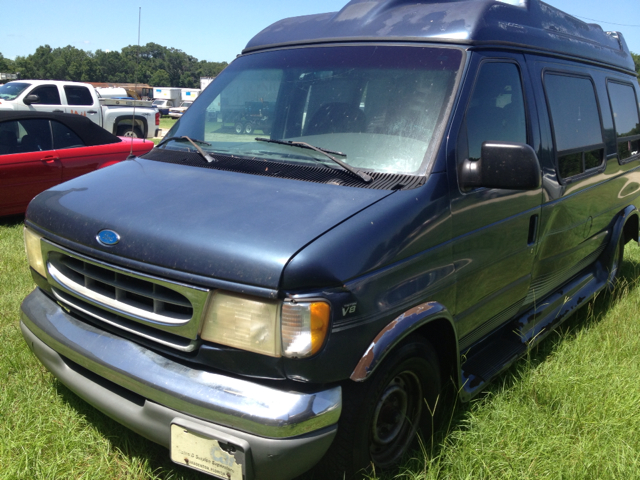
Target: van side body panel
389, 258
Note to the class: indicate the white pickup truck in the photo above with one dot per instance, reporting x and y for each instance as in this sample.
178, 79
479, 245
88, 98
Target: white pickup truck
129, 118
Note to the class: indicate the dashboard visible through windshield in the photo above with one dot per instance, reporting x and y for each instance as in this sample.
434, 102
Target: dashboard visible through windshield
377, 107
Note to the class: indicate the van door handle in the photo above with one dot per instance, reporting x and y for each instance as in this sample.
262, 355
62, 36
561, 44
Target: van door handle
533, 230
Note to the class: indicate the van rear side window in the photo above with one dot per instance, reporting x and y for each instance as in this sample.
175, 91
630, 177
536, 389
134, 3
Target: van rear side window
625, 117
576, 124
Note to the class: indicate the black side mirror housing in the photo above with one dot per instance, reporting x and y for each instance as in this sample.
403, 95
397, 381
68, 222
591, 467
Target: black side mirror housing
29, 99
512, 166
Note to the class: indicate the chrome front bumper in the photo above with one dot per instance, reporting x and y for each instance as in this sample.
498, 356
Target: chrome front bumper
277, 424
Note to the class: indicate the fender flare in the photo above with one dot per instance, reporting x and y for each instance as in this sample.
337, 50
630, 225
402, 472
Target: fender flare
616, 233
397, 330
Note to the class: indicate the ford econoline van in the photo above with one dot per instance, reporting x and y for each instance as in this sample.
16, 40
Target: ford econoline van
427, 189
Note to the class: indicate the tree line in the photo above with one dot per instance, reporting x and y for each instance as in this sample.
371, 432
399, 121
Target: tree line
152, 64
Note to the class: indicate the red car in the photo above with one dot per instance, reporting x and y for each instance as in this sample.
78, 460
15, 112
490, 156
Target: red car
39, 150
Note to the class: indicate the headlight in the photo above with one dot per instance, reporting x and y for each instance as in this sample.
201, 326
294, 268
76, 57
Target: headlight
243, 322
269, 327
34, 251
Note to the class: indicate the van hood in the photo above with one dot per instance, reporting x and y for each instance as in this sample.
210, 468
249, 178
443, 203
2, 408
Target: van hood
230, 226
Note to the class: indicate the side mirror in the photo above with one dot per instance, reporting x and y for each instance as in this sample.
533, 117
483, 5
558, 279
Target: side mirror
29, 99
512, 166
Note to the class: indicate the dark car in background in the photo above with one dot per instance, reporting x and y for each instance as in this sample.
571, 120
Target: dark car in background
39, 150
435, 188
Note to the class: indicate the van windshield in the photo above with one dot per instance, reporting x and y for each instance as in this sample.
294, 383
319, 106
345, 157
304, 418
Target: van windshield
380, 107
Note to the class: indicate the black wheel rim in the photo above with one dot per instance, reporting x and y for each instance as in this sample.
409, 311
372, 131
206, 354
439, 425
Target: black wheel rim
395, 419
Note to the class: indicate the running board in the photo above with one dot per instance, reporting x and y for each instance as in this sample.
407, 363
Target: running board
498, 351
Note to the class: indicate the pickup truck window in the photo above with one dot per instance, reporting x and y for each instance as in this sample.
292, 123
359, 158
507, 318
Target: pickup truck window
48, 95
380, 106
625, 116
78, 95
10, 91
576, 123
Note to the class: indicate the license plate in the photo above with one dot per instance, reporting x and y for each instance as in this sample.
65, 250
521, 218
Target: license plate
205, 454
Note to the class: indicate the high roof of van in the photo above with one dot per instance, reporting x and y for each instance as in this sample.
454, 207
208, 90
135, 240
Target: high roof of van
530, 24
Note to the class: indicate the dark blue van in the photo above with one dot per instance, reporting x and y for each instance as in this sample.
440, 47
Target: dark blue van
417, 192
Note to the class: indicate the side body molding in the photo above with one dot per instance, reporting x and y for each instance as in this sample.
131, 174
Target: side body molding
396, 331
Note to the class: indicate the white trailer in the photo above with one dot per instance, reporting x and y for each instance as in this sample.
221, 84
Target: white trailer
165, 98
190, 94
205, 81
112, 92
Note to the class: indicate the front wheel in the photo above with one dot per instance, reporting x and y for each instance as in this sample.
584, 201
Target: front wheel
380, 417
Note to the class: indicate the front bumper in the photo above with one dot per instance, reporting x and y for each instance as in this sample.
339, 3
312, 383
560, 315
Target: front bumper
285, 432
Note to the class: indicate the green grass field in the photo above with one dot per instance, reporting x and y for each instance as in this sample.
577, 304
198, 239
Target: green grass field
569, 410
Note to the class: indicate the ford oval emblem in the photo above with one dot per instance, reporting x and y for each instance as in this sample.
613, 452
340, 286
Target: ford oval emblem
108, 237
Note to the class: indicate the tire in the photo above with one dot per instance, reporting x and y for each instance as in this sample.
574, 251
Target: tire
380, 417
128, 131
248, 128
239, 127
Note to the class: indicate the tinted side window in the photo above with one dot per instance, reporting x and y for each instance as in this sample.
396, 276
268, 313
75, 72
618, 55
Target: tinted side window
24, 136
48, 95
35, 135
576, 123
63, 137
78, 95
9, 132
625, 117
496, 109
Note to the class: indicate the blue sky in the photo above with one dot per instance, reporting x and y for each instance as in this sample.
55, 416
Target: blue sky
214, 30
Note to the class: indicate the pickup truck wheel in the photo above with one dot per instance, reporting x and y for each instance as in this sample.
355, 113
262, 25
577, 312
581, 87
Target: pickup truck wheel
380, 417
239, 128
128, 131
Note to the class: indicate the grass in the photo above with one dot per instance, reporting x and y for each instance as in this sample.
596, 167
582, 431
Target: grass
45, 430
569, 410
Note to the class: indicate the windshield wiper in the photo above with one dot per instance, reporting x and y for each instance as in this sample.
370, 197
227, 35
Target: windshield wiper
204, 154
361, 175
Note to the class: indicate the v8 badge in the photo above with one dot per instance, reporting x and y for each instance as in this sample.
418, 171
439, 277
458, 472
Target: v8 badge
349, 309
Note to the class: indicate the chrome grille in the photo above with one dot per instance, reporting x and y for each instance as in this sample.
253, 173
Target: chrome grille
138, 297
126, 299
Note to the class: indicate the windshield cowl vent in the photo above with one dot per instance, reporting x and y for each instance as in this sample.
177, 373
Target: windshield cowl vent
270, 168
